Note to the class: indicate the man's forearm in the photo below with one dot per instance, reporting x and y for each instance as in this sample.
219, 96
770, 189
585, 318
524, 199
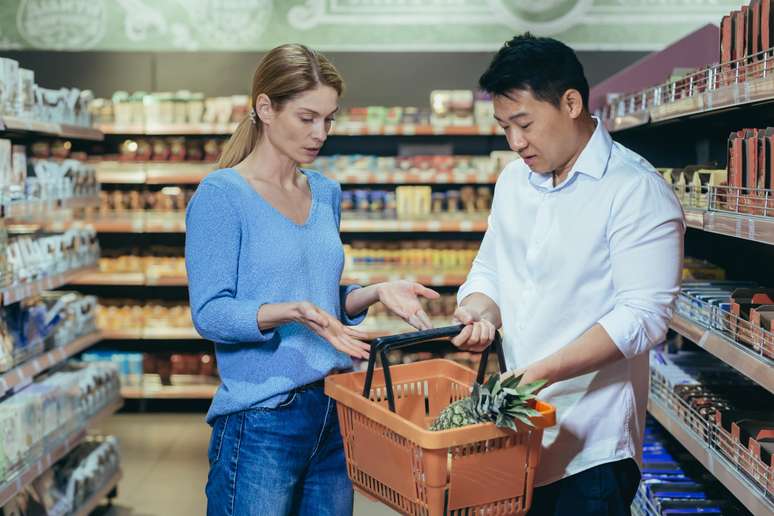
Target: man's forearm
485, 306
590, 352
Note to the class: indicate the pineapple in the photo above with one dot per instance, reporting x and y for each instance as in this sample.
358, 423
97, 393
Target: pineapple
497, 400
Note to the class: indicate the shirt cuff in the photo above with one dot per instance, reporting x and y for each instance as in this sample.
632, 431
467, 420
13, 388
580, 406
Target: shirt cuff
478, 285
622, 328
346, 319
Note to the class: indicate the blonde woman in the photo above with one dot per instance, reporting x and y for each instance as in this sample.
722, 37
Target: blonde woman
264, 261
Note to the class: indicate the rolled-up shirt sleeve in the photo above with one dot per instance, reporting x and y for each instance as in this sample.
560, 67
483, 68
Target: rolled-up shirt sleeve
482, 277
645, 236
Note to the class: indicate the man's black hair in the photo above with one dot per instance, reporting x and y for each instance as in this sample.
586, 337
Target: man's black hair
544, 66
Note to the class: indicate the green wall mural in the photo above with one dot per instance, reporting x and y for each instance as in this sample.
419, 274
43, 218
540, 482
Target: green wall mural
348, 25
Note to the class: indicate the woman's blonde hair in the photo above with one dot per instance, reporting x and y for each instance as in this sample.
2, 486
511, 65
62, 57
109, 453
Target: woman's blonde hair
285, 72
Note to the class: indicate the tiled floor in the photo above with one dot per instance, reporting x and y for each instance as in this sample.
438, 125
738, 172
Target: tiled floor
164, 460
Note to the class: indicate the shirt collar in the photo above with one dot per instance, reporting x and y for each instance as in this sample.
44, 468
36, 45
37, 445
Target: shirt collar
591, 162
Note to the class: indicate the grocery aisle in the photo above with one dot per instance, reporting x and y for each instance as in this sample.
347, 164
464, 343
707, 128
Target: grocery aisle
164, 460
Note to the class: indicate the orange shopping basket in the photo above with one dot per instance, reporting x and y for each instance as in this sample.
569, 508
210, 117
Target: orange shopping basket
384, 415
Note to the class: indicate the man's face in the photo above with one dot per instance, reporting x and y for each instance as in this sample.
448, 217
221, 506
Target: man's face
542, 134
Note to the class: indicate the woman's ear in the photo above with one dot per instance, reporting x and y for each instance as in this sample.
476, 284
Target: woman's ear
572, 101
264, 109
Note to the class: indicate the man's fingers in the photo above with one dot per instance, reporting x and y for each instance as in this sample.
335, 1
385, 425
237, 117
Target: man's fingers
475, 337
426, 322
461, 339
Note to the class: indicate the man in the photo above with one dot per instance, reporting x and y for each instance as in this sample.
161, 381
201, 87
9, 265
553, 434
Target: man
581, 262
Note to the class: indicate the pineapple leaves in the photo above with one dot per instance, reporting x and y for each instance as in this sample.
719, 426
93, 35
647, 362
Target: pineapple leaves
497, 400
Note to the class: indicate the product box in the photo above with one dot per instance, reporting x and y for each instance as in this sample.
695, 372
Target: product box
18, 173
6, 169
9, 86
25, 102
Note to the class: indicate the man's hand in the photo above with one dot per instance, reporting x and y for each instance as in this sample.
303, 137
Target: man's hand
478, 333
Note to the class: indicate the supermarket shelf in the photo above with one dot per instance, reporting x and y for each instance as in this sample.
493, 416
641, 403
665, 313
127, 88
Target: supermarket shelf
87, 508
175, 223
23, 209
471, 225
24, 373
723, 470
352, 277
398, 177
168, 129
152, 173
194, 392
33, 471
21, 125
16, 293
757, 229
747, 227
128, 279
189, 333
428, 279
192, 173
737, 356
748, 93
341, 130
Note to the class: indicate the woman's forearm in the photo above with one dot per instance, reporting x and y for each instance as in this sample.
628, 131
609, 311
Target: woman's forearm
272, 315
360, 299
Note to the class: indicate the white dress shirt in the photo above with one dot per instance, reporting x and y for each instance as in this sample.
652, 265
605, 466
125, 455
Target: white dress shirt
606, 247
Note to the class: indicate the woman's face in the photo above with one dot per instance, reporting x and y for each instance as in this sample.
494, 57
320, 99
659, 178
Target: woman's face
301, 126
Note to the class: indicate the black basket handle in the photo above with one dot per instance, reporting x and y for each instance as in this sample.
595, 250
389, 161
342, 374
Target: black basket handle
383, 345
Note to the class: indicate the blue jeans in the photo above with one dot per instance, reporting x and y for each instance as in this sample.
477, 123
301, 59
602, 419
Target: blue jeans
604, 490
288, 460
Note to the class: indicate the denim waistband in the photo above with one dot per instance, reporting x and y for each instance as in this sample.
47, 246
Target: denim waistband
319, 384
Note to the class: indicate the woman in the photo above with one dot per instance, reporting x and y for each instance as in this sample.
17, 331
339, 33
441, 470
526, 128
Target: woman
264, 261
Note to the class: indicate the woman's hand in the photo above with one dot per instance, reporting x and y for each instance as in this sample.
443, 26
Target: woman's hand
402, 298
341, 337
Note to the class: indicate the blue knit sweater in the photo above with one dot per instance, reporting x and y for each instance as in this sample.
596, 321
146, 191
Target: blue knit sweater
240, 253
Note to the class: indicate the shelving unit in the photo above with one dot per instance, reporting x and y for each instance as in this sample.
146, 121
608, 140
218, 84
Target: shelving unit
745, 491
15, 125
673, 131
227, 129
343, 140
38, 467
177, 392
150, 173
140, 279
36, 214
742, 359
15, 293
24, 373
96, 499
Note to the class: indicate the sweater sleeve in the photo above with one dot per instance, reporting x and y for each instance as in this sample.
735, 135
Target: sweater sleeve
212, 243
344, 290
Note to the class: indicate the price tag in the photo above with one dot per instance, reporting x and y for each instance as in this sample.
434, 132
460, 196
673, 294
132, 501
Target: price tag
390, 130
406, 226
439, 129
751, 229
466, 225
409, 130
433, 225
442, 179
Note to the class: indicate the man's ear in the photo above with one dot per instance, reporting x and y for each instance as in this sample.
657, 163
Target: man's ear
264, 109
572, 103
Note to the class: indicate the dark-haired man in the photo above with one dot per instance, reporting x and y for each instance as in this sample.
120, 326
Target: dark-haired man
581, 262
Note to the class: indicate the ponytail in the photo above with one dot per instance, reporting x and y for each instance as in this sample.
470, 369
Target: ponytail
241, 143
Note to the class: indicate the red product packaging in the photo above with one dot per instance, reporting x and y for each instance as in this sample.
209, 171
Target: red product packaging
754, 38
740, 34
726, 38
767, 26
762, 320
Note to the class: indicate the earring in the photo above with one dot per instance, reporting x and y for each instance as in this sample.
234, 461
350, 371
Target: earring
253, 116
